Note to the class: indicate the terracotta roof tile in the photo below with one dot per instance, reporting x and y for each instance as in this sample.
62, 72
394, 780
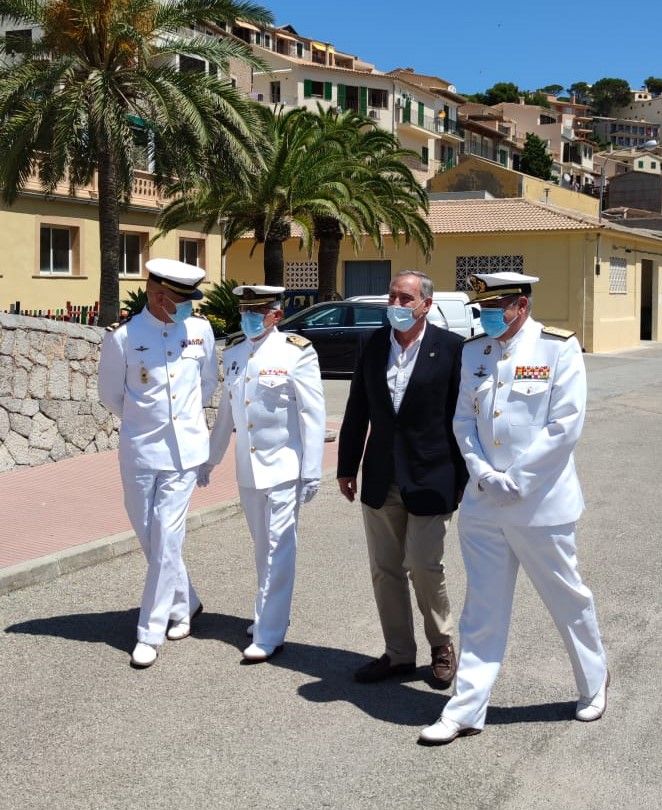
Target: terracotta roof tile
500, 215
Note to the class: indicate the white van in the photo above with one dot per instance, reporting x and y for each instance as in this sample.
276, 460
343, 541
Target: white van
450, 310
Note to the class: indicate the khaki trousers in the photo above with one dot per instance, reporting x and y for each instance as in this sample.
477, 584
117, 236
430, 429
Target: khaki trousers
401, 543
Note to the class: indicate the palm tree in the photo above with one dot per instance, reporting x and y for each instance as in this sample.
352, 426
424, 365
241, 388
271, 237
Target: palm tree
296, 183
68, 101
384, 194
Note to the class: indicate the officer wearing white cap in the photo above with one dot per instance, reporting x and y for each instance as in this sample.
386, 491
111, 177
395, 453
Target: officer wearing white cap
157, 370
520, 413
273, 397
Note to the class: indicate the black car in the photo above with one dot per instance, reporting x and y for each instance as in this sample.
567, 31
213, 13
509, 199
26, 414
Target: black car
337, 330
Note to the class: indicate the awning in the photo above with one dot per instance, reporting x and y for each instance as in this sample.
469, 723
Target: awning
285, 36
321, 46
250, 26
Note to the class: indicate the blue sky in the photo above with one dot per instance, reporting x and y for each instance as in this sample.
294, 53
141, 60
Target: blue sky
483, 42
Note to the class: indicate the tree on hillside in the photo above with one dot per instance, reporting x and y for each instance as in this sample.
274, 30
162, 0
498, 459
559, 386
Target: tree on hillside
535, 159
609, 94
538, 99
70, 101
581, 91
653, 85
502, 92
551, 89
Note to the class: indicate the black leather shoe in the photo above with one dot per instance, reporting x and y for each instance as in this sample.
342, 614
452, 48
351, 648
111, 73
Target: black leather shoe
380, 669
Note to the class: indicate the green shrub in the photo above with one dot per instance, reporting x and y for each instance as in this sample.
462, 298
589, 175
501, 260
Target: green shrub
221, 308
135, 302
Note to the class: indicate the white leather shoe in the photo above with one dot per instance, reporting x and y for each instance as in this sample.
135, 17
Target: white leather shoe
182, 629
592, 708
250, 629
444, 731
260, 652
144, 655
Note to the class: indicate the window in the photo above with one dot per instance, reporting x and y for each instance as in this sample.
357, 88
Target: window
640, 164
503, 157
653, 164
466, 265
131, 254
300, 50
425, 155
258, 37
378, 98
274, 92
189, 251
188, 64
369, 316
324, 316
267, 40
54, 250
547, 119
18, 41
618, 275
317, 89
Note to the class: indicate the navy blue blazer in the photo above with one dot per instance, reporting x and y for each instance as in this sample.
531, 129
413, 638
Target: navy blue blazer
415, 448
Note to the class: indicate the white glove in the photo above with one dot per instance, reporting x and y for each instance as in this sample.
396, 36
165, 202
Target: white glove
500, 487
309, 488
204, 471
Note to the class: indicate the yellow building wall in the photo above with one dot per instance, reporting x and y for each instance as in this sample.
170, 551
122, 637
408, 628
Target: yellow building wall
20, 279
537, 190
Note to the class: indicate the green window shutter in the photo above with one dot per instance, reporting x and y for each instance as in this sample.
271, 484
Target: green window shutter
406, 113
421, 114
424, 155
307, 88
328, 89
341, 96
363, 100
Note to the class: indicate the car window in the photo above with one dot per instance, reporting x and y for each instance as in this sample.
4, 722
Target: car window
324, 316
453, 311
369, 316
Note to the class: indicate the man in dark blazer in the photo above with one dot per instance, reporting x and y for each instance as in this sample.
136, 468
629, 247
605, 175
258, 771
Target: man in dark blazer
404, 390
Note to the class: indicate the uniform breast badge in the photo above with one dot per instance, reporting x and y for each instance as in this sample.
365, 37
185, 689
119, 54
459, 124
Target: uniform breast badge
142, 348
481, 372
234, 367
144, 377
488, 349
476, 407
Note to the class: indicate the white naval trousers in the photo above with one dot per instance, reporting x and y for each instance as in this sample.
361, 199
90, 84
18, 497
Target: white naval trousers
492, 554
156, 502
272, 515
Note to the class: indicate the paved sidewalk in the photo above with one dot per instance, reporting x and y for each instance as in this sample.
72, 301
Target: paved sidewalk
66, 515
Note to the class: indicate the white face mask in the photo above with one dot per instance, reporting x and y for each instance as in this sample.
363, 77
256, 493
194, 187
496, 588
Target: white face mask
401, 318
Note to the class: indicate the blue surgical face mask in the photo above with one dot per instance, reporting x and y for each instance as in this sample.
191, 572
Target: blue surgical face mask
252, 324
182, 311
493, 321
401, 318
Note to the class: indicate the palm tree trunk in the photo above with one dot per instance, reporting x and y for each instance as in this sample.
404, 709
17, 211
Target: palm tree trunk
274, 263
327, 265
109, 238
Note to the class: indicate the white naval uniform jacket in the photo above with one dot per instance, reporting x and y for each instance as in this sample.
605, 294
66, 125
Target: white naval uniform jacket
156, 377
521, 410
273, 396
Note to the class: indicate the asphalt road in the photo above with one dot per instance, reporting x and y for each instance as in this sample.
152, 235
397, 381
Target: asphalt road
81, 729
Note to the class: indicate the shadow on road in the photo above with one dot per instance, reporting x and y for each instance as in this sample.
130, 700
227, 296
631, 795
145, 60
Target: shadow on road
391, 701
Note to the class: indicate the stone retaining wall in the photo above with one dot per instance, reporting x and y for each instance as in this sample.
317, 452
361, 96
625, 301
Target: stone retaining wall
49, 405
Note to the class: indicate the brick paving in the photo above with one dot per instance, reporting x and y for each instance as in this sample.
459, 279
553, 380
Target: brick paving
58, 506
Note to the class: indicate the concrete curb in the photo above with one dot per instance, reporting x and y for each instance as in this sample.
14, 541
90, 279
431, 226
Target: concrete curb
44, 569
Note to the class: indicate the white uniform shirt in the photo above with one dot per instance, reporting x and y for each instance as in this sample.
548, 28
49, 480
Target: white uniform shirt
401, 363
521, 410
273, 396
156, 377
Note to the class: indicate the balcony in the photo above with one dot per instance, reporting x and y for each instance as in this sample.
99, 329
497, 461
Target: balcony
144, 191
433, 124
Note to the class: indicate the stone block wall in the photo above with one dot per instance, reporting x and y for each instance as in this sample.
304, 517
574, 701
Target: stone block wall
49, 405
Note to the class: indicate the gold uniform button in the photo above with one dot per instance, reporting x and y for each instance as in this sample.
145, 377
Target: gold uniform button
250, 425
252, 449
165, 334
248, 402
172, 375
248, 379
169, 354
499, 385
497, 413
497, 443
506, 355
174, 418
174, 396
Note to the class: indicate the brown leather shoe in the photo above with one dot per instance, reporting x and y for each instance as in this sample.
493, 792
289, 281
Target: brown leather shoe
380, 669
444, 665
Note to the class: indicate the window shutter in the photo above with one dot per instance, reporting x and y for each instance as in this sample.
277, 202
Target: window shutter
328, 88
341, 96
307, 88
363, 100
421, 114
406, 113
424, 155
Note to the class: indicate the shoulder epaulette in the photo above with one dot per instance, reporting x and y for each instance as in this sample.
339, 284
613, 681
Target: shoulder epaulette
200, 315
235, 340
114, 326
299, 341
564, 334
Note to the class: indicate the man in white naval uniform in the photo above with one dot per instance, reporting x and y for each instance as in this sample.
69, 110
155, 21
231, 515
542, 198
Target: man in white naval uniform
157, 370
519, 416
273, 397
